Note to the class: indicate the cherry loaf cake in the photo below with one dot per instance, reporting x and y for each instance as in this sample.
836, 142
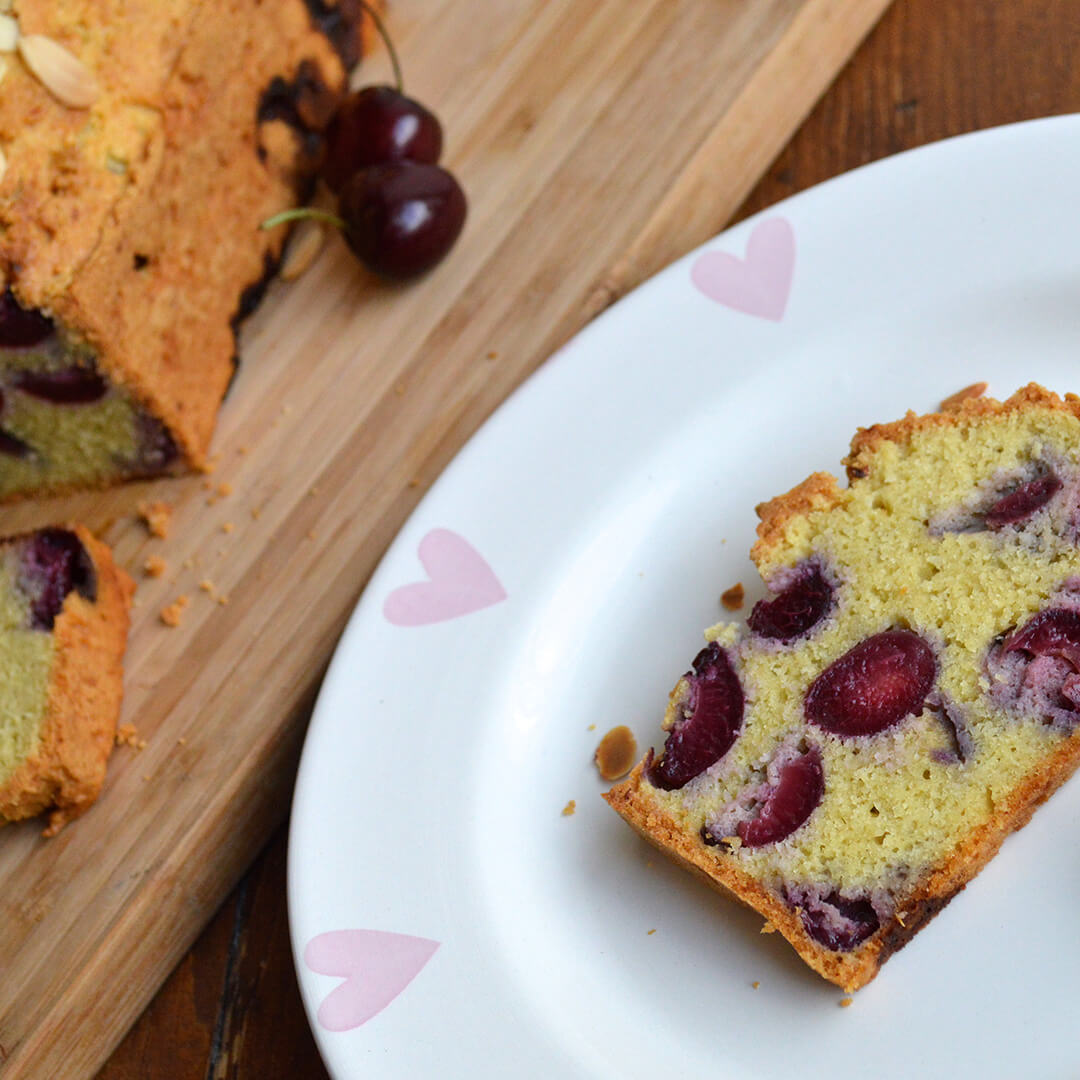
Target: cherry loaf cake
136, 168
905, 698
63, 627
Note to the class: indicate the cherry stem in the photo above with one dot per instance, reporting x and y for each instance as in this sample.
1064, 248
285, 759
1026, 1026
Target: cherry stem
303, 213
380, 26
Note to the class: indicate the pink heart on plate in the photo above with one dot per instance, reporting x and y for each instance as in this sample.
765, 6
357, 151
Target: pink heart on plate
757, 285
460, 582
376, 966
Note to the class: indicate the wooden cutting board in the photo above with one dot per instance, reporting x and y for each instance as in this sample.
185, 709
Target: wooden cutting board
597, 140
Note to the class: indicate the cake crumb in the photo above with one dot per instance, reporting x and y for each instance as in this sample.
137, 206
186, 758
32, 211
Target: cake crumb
591, 727
126, 735
224, 489
569, 808
953, 401
653, 930
845, 1002
767, 928
755, 985
172, 613
223, 599
732, 599
616, 754
207, 485
155, 566
156, 517
228, 527
207, 586
181, 741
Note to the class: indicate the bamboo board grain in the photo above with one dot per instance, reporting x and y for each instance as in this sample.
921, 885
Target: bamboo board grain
597, 139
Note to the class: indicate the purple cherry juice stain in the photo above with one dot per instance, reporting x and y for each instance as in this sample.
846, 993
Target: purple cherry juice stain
53, 563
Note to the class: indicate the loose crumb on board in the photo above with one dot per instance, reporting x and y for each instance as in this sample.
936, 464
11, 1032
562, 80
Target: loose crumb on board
569, 808
224, 489
155, 566
732, 599
975, 390
227, 527
172, 613
755, 985
652, 931
591, 727
616, 754
845, 1002
126, 735
156, 517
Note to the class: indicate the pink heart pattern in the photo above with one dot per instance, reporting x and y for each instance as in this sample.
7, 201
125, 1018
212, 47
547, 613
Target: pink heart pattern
758, 285
376, 966
460, 582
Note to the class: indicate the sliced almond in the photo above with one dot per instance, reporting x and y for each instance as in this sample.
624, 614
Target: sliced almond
65, 76
9, 33
304, 247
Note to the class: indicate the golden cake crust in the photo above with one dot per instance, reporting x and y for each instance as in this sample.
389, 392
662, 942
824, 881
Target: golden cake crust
67, 769
135, 223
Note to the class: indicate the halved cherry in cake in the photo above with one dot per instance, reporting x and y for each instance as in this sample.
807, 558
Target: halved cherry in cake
797, 608
20, 327
873, 685
1019, 505
1053, 632
789, 803
839, 923
712, 713
54, 562
69, 386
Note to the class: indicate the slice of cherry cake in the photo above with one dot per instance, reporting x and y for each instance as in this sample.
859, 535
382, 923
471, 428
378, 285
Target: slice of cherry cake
63, 628
906, 697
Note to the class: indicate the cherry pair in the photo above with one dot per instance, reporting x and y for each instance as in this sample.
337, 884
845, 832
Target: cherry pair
400, 211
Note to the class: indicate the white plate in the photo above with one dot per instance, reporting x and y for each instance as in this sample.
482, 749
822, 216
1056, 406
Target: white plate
589, 529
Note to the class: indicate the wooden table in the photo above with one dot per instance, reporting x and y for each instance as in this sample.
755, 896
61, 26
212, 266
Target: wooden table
929, 70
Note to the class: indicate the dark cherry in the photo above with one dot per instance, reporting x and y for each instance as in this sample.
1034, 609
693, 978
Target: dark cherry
69, 386
1020, 504
157, 448
19, 327
402, 218
798, 791
54, 562
839, 924
873, 685
375, 125
713, 712
13, 446
1054, 632
795, 609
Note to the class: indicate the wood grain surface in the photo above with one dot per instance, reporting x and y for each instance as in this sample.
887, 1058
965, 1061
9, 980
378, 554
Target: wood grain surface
929, 70
571, 123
